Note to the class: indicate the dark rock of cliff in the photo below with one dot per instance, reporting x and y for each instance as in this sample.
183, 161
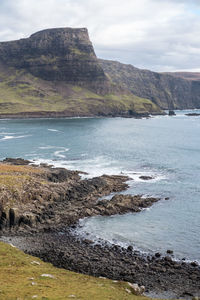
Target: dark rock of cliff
55, 73
167, 90
61, 54
194, 76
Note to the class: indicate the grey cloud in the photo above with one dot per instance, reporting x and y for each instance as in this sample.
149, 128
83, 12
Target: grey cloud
155, 34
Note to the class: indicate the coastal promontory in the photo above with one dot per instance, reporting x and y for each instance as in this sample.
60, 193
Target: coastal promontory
55, 73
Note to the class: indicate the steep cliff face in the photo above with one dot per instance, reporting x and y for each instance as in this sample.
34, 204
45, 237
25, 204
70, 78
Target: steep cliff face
169, 91
62, 54
194, 76
55, 73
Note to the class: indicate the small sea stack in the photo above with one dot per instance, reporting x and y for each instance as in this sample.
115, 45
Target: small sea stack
172, 113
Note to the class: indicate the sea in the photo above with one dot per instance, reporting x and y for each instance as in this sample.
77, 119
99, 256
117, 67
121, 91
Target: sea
165, 148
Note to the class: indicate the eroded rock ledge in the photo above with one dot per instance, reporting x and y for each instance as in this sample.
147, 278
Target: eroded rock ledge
42, 198
38, 204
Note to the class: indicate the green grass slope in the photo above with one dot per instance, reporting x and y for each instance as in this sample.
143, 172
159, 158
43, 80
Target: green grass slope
25, 277
21, 92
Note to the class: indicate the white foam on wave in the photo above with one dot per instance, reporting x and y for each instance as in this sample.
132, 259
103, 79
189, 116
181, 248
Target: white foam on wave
58, 152
98, 166
56, 164
50, 147
189, 261
53, 130
94, 167
85, 231
136, 176
10, 137
47, 147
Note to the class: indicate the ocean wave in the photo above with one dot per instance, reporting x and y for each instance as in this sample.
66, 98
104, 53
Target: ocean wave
49, 147
86, 230
10, 137
98, 166
46, 147
54, 130
137, 176
58, 153
82, 232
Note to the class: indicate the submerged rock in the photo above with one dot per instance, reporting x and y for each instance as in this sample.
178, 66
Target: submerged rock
171, 113
144, 177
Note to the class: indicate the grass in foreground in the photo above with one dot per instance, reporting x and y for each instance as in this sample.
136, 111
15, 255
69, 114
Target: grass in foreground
21, 278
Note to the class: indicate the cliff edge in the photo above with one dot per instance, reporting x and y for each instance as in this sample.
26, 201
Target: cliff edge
177, 90
55, 73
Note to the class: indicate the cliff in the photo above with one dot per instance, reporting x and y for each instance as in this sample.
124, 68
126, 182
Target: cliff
61, 54
167, 90
55, 72
193, 76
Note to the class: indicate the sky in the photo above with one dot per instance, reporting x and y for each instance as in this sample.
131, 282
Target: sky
160, 35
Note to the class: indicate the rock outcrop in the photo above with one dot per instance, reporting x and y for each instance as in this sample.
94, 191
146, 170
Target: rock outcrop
45, 197
38, 205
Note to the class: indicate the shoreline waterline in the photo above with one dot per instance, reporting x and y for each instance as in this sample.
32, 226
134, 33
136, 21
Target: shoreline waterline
166, 147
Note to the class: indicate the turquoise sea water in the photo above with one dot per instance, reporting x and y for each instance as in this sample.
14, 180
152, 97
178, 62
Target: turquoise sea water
167, 148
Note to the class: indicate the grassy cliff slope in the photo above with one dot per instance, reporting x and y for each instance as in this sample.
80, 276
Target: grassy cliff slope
55, 72
25, 277
24, 94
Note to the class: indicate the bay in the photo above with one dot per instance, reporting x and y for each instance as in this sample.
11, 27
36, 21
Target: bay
166, 148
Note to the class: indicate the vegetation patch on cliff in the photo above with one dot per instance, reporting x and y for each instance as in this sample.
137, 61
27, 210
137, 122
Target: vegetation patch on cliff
24, 93
40, 79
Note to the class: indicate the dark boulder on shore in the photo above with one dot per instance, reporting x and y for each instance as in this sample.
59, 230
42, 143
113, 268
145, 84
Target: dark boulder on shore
159, 275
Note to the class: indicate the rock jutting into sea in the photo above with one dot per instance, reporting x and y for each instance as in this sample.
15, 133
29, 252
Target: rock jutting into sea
40, 207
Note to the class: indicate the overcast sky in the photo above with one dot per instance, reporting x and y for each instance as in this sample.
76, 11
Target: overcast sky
160, 35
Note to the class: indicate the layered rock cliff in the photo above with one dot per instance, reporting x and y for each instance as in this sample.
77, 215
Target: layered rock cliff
61, 54
167, 90
56, 73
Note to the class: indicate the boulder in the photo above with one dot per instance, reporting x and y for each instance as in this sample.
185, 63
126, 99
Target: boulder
17, 161
136, 289
144, 177
171, 113
61, 175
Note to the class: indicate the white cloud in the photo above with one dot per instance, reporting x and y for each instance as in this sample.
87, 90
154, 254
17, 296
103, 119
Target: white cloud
155, 34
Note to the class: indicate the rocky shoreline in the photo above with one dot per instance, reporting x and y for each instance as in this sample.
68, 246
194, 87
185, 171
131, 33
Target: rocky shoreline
43, 227
63, 114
